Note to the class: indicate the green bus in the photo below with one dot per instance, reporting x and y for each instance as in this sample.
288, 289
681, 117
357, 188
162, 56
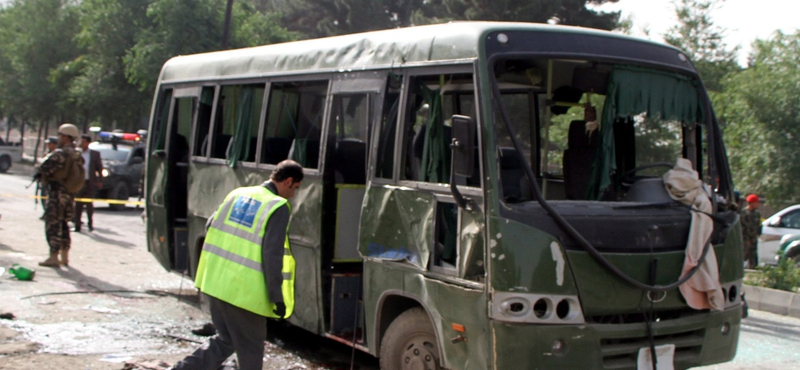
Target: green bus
477, 195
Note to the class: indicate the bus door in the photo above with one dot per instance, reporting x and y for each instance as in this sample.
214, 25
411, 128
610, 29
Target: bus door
167, 174
413, 233
354, 103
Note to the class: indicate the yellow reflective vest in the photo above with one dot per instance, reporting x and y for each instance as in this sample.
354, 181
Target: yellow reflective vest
231, 267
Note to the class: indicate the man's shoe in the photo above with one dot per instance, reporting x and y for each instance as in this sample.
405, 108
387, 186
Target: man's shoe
77, 229
51, 262
91, 228
206, 331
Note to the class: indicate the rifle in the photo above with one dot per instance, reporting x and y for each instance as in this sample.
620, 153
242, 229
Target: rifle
36, 194
35, 179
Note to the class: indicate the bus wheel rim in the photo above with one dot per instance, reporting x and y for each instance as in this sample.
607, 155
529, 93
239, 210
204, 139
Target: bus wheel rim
419, 354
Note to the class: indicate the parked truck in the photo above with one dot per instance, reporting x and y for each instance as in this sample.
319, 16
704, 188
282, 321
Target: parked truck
9, 153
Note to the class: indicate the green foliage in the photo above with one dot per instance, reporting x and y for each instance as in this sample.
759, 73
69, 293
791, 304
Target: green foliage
177, 27
97, 81
318, 18
784, 276
760, 108
37, 37
702, 42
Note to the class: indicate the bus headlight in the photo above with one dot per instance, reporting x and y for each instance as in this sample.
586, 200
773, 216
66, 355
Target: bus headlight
106, 172
536, 308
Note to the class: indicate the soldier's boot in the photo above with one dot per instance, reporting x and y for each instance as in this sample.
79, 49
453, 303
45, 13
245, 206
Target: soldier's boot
51, 262
65, 257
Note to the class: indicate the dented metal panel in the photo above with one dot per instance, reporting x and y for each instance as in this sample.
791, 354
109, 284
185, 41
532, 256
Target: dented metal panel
525, 259
397, 224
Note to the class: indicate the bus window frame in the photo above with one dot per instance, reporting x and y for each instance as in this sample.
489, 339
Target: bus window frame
372, 83
219, 85
202, 158
400, 157
319, 77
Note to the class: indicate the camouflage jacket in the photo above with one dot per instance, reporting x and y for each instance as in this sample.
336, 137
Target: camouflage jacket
751, 225
54, 164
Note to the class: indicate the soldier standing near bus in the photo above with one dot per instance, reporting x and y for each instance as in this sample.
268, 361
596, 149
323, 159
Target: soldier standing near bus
751, 230
54, 173
246, 270
52, 144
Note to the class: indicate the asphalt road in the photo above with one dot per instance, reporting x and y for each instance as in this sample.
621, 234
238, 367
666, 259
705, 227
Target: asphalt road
115, 304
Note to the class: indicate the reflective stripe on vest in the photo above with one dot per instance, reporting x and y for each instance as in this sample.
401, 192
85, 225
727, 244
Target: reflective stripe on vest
231, 267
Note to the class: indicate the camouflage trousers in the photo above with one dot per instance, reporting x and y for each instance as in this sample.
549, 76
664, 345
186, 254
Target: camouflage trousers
751, 253
57, 212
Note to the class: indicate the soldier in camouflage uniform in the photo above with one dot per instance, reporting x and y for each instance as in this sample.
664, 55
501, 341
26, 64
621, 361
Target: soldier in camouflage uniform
59, 201
751, 230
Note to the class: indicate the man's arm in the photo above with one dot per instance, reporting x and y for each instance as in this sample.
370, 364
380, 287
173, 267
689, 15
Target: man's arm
272, 253
98, 164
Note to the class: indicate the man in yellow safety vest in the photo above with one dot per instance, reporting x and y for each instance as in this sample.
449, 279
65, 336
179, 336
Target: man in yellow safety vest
246, 270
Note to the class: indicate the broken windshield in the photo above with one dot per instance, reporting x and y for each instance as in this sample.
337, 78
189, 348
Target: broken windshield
592, 129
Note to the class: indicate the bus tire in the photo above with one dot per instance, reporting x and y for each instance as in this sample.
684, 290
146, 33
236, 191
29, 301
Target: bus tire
5, 163
410, 343
119, 192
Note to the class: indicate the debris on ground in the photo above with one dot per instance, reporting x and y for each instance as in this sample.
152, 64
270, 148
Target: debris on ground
7, 316
146, 365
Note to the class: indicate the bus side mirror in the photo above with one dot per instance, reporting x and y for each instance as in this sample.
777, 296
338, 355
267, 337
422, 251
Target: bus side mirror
463, 145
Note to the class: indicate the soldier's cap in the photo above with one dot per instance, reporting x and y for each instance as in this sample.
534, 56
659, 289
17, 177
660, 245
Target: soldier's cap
752, 198
52, 140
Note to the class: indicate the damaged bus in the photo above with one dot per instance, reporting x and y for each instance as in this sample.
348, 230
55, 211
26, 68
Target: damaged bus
476, 195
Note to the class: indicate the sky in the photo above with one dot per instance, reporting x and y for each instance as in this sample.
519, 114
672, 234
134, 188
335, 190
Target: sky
743, 21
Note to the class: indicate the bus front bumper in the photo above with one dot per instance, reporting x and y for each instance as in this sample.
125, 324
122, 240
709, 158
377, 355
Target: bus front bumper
701, 339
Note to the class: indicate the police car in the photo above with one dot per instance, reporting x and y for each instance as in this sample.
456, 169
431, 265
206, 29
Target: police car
123, 162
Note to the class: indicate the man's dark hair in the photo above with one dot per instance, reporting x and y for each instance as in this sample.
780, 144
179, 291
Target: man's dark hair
287, 168
86, 137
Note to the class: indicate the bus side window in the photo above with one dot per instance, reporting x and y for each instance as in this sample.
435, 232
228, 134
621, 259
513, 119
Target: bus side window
203, 121
444, 257
158, 138
236, 123
349, 119
294, 122
391, 106
432, 100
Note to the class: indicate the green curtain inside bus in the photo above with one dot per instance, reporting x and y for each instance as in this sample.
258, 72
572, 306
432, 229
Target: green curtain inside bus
435, 165
241, 136
632, 91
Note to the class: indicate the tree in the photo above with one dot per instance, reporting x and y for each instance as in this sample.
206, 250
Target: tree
177, 27
97, 83
318, 18
761, 108
702, 41
37, 37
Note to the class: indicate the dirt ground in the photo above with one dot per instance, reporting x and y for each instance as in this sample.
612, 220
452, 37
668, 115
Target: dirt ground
114, 307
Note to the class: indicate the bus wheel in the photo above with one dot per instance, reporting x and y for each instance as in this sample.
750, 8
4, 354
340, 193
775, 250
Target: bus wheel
410, 343
5, 164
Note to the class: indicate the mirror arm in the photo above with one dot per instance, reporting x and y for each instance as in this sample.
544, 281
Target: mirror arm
461, 201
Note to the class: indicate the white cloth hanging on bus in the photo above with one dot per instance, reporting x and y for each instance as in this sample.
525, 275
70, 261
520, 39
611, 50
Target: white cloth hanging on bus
702, 290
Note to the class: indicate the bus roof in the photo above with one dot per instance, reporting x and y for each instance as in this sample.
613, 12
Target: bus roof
394, 47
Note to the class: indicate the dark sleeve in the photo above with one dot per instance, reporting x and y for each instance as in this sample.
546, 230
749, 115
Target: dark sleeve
98, 165
272, 252
51, 163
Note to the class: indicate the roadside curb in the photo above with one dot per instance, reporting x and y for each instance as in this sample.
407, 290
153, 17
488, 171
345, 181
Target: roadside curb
772, 300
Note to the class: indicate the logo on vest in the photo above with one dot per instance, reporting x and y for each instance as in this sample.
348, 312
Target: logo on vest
244, 211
